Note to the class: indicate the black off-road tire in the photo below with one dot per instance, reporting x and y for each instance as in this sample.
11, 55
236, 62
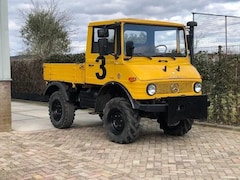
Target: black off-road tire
121, 121
102, 101
179, 130
61, 112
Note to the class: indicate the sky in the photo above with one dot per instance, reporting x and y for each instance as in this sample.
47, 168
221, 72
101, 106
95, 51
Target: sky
84, 11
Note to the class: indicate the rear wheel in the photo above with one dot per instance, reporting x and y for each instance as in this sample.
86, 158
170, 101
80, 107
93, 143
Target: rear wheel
121, 121
61, 112
179, 130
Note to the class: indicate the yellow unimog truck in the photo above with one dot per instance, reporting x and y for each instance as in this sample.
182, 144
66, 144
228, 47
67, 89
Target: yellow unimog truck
134, 68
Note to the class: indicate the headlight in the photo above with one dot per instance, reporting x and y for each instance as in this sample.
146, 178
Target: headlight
151, 89
197, 87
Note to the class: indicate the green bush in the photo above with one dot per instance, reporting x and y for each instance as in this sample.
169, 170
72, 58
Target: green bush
27, 74
66, 58
27, 79
221, 77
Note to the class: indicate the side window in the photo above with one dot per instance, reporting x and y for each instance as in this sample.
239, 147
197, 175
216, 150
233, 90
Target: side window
111, 37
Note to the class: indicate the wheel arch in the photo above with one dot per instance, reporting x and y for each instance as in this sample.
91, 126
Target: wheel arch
56, 86
111, 90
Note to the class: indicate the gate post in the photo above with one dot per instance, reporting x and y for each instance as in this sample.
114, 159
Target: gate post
5, 75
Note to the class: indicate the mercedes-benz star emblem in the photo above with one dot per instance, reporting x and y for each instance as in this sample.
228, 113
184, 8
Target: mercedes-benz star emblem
175, 88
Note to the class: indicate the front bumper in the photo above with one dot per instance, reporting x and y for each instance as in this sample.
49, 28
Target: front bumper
179, 108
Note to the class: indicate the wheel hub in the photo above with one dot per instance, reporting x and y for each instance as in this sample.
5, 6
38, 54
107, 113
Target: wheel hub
57, 110
117, 121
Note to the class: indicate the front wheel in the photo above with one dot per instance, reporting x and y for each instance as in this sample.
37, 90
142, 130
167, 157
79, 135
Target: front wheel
61, 111
121, 121
179, 130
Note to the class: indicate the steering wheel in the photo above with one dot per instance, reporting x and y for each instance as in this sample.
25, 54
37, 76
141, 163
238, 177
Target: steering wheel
161, 45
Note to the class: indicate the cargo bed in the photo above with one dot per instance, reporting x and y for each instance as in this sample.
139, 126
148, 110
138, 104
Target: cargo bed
64, 72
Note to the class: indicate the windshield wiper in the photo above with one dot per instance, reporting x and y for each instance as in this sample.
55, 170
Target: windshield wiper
128, 58
144, 55
171, 56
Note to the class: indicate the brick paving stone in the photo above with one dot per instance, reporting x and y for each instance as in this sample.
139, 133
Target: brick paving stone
86, 153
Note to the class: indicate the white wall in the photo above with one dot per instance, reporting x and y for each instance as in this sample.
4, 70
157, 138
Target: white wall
5, 74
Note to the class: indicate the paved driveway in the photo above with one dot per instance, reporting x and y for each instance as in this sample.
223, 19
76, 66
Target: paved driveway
84, 152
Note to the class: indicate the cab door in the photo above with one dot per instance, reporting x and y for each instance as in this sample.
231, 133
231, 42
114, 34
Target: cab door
100, 69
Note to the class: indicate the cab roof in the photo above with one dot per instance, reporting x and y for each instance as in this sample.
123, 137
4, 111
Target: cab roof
136, 21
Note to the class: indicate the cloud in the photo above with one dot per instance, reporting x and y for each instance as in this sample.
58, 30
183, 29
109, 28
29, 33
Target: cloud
230, 8
13, 25
85, 11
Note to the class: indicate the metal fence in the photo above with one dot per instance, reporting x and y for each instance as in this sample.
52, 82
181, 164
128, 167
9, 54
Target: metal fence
217, 30
231, 49
217, 50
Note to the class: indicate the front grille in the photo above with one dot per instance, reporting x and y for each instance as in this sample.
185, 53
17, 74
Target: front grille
174, 87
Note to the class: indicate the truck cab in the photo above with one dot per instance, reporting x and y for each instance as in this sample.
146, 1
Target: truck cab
134, 68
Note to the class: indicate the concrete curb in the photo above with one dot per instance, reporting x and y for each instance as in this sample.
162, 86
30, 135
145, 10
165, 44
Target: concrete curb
227, 127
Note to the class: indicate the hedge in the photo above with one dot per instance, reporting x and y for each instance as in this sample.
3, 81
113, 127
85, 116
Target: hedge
221, 82
27, 80
27, 74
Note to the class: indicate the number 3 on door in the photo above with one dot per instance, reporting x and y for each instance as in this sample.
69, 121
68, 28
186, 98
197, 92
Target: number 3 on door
102, 67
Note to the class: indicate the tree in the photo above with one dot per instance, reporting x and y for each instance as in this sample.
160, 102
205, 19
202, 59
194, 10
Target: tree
45, 30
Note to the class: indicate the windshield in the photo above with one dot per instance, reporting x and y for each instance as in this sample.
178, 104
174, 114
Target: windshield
155, 41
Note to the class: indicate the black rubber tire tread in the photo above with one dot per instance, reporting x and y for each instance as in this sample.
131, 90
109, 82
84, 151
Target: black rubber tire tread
179, 130
131, 119
103, 101
68, 111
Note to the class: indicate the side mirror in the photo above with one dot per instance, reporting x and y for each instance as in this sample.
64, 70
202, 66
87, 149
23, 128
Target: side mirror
103, 32
103, 47
129, 48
